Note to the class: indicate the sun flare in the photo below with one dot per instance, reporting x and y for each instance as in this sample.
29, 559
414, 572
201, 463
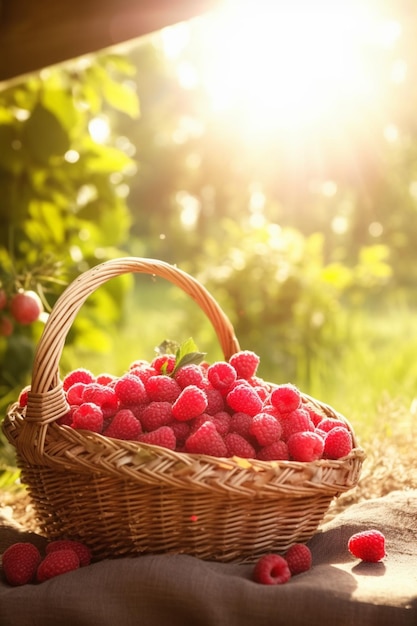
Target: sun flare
289, 65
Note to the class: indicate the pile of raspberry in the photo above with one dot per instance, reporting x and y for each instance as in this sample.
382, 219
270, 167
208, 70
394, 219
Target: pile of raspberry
222, 409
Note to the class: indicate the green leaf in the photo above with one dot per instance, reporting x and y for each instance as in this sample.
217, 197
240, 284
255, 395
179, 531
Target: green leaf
122, 97
187, 354
44, 136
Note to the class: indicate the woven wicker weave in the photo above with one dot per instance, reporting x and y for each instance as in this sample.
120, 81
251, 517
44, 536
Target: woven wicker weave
122, 497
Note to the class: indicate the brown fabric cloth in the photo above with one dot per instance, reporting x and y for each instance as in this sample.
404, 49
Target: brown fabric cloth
178, 589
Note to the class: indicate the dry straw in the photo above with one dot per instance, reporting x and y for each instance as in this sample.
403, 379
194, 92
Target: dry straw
125, 498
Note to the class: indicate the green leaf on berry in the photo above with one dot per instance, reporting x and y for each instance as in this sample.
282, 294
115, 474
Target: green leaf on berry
187, 354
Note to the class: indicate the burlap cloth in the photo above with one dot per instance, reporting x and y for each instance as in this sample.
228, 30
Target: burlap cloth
179, 590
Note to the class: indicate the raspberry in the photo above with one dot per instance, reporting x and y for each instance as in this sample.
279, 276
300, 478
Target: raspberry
144, 373
245, 363
239, 446
299, 558
295, 422
190, 375
368, 545
244, 398
191, 402
66, 419
277, 451
75, 393
327, 423
23, 396
285, 398
240, 423
271, 569
164, 364
215, 401
88, 416
56, 563
80, 375
262, 392
124, 425
20, 562
103, 396
105, 379
163, 436
305, 446
130, 390
221, 375
83, 552
156, 414
221, 420
315, 417
265, 428
206, 440
181, 431
337, 443
162, 388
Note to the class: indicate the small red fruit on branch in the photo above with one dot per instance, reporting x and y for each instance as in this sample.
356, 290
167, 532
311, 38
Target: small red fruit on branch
26, 307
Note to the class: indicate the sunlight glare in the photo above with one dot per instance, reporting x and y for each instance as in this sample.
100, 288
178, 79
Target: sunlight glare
291, 65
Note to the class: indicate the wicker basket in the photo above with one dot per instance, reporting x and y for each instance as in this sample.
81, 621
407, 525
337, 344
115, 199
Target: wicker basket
125, 498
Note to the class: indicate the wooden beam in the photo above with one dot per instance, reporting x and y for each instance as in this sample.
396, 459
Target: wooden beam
39, 33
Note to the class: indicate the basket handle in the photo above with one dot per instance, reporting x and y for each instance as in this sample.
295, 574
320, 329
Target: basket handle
46, 399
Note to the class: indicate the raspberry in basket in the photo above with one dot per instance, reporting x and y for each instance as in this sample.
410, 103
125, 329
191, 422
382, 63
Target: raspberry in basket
368, 545
124, 425
163, 436
190, 375
162, 388
286, 398
130, 390
164, 364
156, 414
88, 416
337, 443
245, 363
265, 428
103, 396
296, 421
277, 451
79, 375
191, 402
244, 398
239, 446
271, 569
305, 446
221, 375
206, 440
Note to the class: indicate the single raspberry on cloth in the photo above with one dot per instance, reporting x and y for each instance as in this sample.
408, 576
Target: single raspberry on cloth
299, 558
20, 562
56, 563
271, 569
368, 545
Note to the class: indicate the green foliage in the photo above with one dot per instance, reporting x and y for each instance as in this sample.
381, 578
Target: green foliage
62, 209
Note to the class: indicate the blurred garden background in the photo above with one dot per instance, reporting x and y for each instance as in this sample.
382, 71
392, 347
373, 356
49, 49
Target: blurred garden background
272, 155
